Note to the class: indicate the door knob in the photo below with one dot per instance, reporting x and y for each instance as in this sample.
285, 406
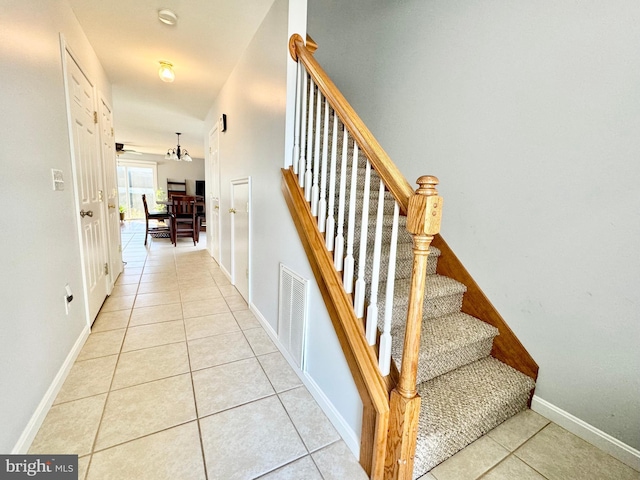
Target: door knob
217, 207
88, 213
112, 206
232, 210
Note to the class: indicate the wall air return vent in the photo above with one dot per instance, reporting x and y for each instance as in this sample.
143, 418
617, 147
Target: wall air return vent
292, 314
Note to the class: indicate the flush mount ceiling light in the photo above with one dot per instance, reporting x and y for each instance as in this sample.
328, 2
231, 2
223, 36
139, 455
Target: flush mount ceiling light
166, 72
167, 17
177, 154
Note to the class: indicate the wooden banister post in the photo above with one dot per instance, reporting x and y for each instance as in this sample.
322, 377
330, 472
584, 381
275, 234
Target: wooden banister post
423, 222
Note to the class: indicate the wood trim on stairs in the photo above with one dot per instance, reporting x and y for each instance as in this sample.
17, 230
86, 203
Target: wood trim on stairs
393, 179
506, 346
360, 357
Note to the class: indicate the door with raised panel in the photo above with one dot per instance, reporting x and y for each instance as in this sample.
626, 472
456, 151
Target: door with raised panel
240, 235
87, 174
107, 143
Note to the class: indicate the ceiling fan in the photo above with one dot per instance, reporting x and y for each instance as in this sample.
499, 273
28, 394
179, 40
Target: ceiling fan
120, 150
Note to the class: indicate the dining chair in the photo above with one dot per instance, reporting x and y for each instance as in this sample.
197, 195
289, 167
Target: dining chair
184, 218
158, 217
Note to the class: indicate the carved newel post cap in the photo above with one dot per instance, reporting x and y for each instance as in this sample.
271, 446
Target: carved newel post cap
427, 185
292, 45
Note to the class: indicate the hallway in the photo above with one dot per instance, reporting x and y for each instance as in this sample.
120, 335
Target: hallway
178, 380
178, 377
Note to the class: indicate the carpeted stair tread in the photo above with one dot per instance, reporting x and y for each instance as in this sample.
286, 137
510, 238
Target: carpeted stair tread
404, 261
443, 296
447, 343
461, 406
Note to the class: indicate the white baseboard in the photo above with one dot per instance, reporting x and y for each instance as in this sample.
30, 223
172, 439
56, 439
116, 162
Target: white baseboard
614, 447
344, 429
30, 431
226, 273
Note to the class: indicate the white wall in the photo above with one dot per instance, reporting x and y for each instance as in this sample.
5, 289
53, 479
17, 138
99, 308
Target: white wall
529, 113
39, 238
254, 100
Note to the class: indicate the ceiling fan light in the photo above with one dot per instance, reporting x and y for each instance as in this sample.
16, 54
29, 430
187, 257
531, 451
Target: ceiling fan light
167, 17
166, 72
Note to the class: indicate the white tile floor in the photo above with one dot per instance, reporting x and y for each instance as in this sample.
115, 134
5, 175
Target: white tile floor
178, 380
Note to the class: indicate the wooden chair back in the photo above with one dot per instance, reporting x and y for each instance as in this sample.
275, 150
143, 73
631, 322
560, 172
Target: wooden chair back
184, 218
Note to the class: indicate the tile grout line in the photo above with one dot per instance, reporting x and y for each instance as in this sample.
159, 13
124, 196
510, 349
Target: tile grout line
113, 375
193, 390
527, 441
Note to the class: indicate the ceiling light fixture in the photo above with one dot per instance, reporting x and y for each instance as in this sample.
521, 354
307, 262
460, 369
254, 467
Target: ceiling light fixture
166, 72
167, 17
177, 154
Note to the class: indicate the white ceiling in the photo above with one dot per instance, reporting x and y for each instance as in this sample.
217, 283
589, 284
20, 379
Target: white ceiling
203, 47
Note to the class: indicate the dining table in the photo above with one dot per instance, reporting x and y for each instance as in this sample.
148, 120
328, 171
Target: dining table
169, 203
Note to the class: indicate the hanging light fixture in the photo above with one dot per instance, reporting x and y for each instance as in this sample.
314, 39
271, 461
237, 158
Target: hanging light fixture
177, 154
166, 72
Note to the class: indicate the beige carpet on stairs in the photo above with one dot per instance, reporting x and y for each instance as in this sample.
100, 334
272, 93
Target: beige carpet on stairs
465, 392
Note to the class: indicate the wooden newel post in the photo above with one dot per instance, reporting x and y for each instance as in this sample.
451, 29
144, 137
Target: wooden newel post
423, 222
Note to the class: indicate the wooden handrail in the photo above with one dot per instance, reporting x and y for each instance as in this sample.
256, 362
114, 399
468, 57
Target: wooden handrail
393, 179
360, 357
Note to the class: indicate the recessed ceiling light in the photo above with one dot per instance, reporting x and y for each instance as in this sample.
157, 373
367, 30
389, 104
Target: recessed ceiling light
168, 17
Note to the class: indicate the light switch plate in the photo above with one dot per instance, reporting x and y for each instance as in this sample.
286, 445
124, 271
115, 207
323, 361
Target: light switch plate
58, 179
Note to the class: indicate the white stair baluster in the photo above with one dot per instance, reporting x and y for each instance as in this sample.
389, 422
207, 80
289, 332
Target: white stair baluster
322, 203
338, 255
384, 356
358, 300
315, 191
307, 176
303, 129
296, 128
331, 222
347, 277
372, 309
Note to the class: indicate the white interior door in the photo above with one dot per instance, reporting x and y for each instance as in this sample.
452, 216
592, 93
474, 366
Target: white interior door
213, 197
107, 141
240, 235
87, 172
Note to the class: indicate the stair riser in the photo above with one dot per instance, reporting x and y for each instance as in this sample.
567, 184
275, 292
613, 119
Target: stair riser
461, 406
403, 268
444, 446
432, 308
431, 367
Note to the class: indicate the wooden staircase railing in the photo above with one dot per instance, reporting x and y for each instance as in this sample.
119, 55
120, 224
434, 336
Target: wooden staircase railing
383, 457
311, 188
391, 176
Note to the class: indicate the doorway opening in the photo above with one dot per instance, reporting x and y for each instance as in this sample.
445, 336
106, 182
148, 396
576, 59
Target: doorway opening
134, 180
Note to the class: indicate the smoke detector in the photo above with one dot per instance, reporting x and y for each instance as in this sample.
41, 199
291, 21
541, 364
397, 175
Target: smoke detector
168, 17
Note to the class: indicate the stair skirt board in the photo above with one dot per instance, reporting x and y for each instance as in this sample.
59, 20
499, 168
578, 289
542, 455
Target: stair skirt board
450, 418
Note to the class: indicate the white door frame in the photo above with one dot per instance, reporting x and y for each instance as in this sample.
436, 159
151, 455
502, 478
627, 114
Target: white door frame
241, 181
212, 203
111, 211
